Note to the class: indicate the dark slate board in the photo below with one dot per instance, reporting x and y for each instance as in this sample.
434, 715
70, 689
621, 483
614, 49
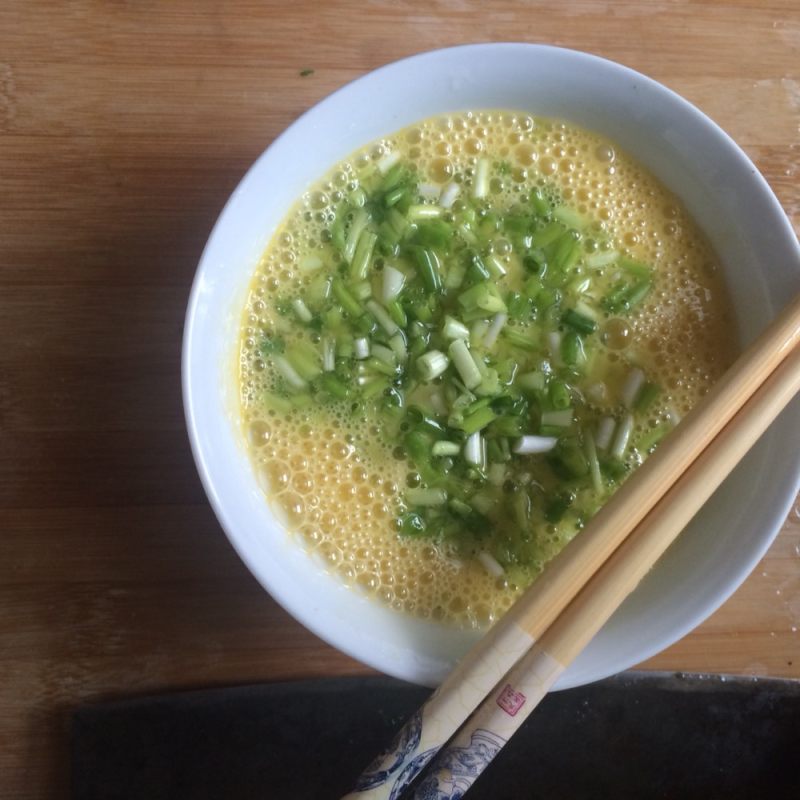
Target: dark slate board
637, 735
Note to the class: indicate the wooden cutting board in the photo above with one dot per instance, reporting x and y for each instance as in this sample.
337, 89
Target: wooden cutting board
123, 128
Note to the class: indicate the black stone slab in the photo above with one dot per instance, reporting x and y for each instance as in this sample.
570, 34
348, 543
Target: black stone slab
637, 735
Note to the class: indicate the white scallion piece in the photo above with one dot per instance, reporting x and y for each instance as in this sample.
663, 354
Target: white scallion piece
430, 191
384, 355
594, 463
473, 449
385, 163
392, 283
446, 449
454, 329
554, 345
424, 211
290, 374
529, 445
438, 404
361, 348
584, 308
449, 195
477, 332
558, 419
570, 217
432, 364
491, 564
301, 310
426, 497
496, 474
482, 502
605, 432
490, 339
382, 318
597, 392
480, 187
672, 415
622, 436
464, 363
328, 354
310, 263
398, 345
497, 269
601, 259
633, 385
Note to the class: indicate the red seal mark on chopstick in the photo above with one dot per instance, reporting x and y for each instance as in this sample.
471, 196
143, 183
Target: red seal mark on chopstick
510, 700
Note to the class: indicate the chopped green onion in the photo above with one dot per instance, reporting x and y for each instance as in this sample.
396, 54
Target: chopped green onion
572, 352
428, 268
426, 497
278, 403
334, 387
382, 318
482, 296
373, 388
362, 258
412, 524
478, 421
290, 374
357, 226
646, 396
305, 360
478, 331
384, 354
559, 394
495, 266
570, 217
346, 300
519, 339
531, 381
635, 268
539, 203
432, 364
398, 345
557, 419
578, 322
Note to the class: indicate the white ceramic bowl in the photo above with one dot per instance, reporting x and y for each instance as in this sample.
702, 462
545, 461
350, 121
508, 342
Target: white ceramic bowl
690, 154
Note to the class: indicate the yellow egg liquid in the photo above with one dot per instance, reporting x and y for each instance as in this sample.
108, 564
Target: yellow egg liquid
336, 483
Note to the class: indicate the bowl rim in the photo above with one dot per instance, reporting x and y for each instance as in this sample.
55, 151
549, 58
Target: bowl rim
790, 484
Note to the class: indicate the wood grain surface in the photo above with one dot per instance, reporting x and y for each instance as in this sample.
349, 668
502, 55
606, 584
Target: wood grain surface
123, 128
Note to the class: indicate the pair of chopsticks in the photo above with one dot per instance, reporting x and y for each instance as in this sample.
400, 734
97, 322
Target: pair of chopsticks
504, 677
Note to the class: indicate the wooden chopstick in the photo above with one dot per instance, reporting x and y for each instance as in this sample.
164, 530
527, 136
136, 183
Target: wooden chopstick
523, 687
514, 634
